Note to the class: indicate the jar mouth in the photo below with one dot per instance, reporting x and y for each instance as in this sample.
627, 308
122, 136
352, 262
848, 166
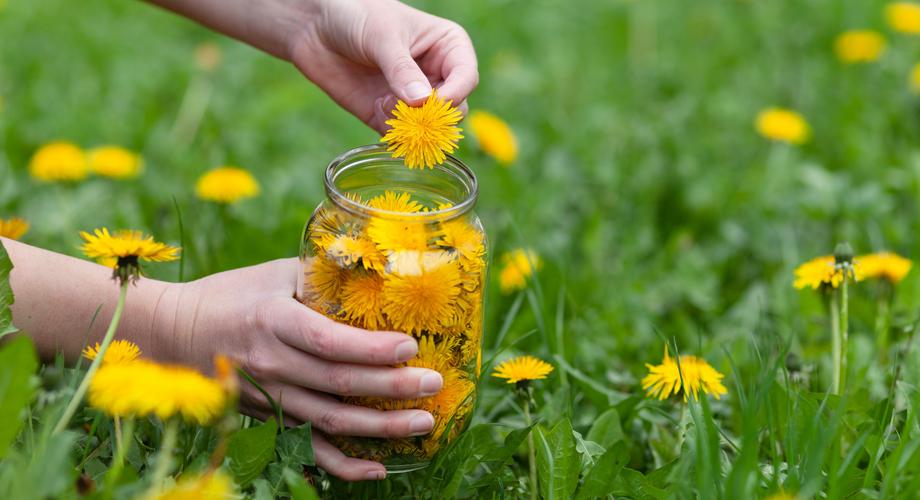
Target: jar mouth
370, 166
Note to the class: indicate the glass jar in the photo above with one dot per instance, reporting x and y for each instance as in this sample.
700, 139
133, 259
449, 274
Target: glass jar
399, 249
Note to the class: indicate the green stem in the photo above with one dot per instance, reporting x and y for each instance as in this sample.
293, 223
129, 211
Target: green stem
124, 439
84, 384
844, 332
882, 318
531, 453
835, 343
161, 468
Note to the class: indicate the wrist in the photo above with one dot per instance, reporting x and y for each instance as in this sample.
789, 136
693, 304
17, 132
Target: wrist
168, 329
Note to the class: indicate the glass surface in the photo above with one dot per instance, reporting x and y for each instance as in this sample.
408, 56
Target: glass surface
400, 249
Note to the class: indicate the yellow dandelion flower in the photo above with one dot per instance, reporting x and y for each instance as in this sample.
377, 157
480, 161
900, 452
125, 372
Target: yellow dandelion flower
395, 202
781, 495
425, 300
422, 135
115, 162
465, 239
823, 271
13, 228
207, 56
330, 222
449, 407
349, 251
494, 135
325, 279
884, 265
398, 235
903, 17
522, 369
225, 371
362, 300
211, 486
119, 351
126, 247
59, 161
859, 46
517, 266
141, 388
785, 125
226, 185
693, 376
434, 354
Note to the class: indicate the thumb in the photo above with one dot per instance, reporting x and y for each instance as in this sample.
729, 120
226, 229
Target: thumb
405, 78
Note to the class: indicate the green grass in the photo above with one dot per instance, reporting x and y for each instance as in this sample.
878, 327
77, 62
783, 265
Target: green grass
660, 214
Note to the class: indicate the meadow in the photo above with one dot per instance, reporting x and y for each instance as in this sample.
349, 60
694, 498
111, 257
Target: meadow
661, 215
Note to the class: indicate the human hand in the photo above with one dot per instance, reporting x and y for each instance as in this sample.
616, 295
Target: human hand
300, 357
367, 53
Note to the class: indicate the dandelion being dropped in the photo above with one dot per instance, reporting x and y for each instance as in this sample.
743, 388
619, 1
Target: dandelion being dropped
522, 369
495, 137
785, 125
422, 135
227, 185
692, 376
143, 388
119, 351
884, 265
59, 161
13, 228
859, 46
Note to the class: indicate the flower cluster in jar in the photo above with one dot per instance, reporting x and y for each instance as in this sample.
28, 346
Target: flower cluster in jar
402, 272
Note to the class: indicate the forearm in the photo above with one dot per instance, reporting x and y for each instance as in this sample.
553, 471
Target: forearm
268, 25
56, 297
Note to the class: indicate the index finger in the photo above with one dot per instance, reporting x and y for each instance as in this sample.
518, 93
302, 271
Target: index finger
303, 328
459, 67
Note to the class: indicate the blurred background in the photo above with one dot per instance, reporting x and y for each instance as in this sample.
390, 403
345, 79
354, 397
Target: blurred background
657, 208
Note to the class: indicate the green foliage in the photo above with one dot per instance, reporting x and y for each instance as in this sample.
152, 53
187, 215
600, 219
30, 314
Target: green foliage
6, 294
17, 387
250, 451
557, 461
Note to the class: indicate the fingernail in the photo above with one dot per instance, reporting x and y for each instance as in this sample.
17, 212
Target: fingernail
421, 424
375, 475
431, 383
406, 351
417, 90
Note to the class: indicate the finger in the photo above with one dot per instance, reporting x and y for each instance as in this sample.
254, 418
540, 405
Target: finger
459, 67
464, 108
295, 367
405, 78
333, 461
341, 419
303, 328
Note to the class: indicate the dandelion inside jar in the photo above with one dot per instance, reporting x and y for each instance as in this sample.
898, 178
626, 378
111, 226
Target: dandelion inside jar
398, 249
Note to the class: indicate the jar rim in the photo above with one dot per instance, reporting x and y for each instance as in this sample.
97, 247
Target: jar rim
451, 165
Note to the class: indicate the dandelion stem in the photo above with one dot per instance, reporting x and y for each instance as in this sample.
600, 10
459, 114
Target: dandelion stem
882, 319
123, 440
84, 384
531, 453
161, 468
844, 332
835, 343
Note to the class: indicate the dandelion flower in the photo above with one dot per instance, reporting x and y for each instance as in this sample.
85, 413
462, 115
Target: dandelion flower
59, 161
903, 17
207, 56
494, 135
517, 266
433, 354
522, 369
349, 251
884, 265
141, 388
462, 237
785, 125
325, 278
13, 228
823, 271
393, 235
115, 162
449, 407
362, 300
119, 351
123, 249
391, 201
859, 46
422, 135
693, 376
781, 495
211, 486
226, 185
424, 300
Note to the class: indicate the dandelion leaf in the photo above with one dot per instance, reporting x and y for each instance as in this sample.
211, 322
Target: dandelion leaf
250, 450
